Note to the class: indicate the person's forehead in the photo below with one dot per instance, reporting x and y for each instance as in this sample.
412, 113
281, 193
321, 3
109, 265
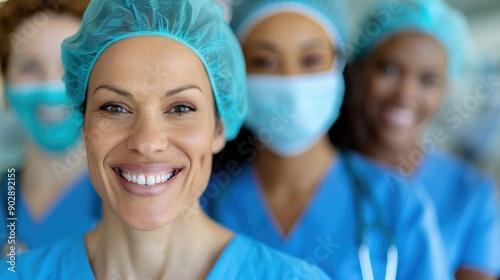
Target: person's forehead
289, 30
154, 55
28, 37
147, 62
412, 46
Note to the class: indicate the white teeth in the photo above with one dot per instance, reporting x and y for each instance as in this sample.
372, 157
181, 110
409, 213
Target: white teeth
150, 180
141, 180
402, 117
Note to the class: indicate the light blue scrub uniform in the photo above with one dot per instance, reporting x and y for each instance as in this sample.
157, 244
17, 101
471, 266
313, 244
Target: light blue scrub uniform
468, 210
242, 258
75, 211
326, 232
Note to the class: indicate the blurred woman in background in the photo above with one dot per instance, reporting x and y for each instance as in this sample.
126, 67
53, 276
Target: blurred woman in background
396, 86
292, 189
54, 197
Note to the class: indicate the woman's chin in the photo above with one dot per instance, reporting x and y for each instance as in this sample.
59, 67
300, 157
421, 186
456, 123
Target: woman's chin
396, 140
147, 219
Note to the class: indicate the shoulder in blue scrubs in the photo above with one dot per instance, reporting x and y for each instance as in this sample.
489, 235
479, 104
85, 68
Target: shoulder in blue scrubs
468, 209
76, 211
242, 258
325, 234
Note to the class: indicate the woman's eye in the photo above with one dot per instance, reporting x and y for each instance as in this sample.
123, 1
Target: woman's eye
429, 80
181, 109
264, 63
113, 108
312, 61
389, 69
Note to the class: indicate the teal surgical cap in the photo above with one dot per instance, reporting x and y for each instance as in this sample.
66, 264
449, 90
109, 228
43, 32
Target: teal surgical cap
330, 14
432, 17
198, 24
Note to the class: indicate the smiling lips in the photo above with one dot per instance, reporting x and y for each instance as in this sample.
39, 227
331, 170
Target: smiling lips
147, 178
402, 118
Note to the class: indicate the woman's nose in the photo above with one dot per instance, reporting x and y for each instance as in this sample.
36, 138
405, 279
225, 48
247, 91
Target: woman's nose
148, 135
406, 91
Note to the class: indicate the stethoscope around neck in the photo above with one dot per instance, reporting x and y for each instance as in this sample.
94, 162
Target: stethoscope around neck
362, 198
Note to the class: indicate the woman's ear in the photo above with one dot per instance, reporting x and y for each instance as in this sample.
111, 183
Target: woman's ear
219, 136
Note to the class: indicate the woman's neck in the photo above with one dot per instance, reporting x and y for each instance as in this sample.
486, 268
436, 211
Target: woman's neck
404, 159
298, 174
289, 183
45, 176
187, 248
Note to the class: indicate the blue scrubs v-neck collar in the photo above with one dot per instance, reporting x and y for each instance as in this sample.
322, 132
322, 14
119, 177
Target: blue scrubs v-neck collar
320, 196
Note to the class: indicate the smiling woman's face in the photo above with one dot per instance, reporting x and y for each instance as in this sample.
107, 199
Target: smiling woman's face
150, 130
405, 81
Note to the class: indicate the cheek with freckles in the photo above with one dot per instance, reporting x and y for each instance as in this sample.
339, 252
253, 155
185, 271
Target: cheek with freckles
199, 152
101, 136
94, 138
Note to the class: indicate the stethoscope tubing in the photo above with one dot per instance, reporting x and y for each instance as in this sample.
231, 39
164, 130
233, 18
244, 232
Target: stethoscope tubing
362, 192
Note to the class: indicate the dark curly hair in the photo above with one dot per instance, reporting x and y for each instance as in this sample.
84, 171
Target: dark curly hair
351, 130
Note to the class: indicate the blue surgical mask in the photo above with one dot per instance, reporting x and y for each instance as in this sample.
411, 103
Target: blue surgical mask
290, 114
47, 114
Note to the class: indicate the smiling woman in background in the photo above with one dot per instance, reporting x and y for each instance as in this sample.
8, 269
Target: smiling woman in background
162, 86
52, 202
397, 84
296, 191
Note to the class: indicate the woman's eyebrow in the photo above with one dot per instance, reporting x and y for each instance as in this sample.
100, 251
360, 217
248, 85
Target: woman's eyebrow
317, 43
181, 89
127, 94
115, 90
263, 45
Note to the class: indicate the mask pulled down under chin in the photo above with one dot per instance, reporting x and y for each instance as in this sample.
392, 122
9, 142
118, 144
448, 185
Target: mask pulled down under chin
290, 114
46, 114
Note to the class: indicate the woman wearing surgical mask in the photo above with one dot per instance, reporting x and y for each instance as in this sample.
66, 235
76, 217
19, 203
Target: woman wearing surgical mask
164, 82
398, 80
53, 195
294, 190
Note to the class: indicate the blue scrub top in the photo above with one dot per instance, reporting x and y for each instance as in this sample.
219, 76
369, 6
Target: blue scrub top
76, 211
468, 210
326, 232
242, 259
